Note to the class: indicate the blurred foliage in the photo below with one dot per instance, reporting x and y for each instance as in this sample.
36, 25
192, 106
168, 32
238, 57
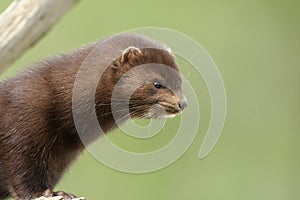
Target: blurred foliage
256, 46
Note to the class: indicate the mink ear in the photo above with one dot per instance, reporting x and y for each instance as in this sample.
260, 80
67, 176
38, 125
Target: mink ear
130, 53
169, 50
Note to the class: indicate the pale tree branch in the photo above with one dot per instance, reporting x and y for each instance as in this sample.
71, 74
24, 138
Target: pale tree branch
57, 198
24, 22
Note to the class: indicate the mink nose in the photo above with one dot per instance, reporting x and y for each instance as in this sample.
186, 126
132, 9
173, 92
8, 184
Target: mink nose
183, 104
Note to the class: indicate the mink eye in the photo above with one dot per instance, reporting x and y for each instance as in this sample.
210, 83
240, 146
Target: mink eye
157, 85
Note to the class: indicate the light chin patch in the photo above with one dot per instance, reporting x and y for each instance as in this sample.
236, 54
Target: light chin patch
158, 112
158, 116
167, 116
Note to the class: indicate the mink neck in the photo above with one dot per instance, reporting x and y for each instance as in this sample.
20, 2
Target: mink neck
105, 117
109, 117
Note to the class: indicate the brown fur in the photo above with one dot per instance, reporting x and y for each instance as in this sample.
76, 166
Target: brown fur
38, 139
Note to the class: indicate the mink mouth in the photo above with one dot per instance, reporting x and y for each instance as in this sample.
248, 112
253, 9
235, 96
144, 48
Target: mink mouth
162, 110
157, 110
169, 108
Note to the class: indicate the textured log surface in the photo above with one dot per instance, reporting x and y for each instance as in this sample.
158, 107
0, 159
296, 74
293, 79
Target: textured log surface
24, 22
57, 198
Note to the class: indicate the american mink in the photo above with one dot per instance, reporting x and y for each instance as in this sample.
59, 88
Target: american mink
38, 138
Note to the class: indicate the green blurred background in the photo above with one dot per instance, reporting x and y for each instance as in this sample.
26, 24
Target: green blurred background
256, 45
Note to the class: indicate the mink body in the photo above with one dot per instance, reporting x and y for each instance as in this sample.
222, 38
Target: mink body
38, 138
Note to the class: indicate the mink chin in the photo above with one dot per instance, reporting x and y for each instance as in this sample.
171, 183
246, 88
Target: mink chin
38, 137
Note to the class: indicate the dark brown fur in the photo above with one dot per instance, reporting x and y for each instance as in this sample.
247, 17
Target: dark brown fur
38, 139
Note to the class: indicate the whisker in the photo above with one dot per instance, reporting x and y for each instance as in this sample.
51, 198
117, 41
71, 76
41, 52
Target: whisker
119, 110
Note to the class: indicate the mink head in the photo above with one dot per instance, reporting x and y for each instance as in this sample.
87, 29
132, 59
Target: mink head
148, 82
